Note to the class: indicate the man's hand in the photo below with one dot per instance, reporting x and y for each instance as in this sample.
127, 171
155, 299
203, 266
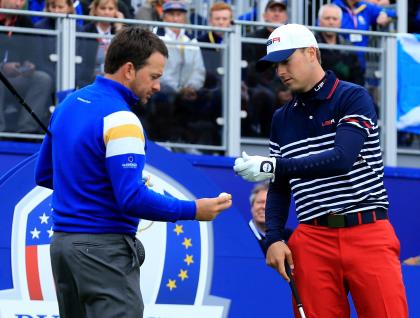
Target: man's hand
10, 69
26, 69
209, 208
383, 19
188, 93
255, 168
277, 254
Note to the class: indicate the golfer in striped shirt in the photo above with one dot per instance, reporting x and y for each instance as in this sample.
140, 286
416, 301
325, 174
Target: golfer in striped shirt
325, 151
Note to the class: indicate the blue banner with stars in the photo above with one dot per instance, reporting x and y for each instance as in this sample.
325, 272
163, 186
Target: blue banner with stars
182, 264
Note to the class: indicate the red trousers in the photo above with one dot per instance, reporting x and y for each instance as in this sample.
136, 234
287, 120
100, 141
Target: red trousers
363, 260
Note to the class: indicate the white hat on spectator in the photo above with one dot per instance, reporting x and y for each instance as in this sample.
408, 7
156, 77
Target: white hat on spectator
283, 42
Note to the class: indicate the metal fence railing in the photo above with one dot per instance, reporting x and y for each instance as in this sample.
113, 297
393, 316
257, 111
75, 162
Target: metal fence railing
230, 139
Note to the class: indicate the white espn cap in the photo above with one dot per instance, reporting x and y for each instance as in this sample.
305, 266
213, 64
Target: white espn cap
284, 41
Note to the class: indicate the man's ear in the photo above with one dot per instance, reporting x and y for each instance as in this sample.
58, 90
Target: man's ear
312, 54
129, 71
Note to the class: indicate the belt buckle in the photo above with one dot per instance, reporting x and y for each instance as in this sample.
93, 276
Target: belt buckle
336, 220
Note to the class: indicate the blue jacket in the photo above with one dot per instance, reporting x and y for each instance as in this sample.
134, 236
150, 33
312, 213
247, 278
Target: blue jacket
362, 17
94, 163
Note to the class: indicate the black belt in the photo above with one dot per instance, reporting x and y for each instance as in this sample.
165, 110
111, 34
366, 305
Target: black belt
347, 220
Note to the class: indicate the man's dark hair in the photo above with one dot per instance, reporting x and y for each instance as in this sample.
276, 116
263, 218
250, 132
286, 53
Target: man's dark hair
132, 44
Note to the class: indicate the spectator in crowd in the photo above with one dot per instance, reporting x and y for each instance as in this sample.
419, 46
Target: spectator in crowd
17, 64
345, 64
414, 16
125, 7
96, 48
361, 15
275, 12
257, 200
220, 17
55, 6
184, 72
41, 5
47, 56
210, 95
283, 93
179, 99
262, 95
150, 10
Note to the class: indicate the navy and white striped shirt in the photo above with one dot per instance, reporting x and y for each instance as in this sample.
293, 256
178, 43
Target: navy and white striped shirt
328, 155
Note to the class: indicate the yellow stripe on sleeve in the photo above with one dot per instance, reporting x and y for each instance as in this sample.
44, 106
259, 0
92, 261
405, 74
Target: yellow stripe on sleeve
124, 131
123, 134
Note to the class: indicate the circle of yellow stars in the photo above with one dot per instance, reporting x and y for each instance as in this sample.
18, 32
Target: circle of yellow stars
189, 259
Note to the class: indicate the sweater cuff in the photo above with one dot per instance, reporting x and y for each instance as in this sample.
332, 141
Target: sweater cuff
188, 210
276, 237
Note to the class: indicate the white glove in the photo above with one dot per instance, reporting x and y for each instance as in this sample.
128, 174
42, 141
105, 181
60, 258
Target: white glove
255, 168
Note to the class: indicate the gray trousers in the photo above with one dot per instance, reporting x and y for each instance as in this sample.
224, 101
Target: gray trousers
97, 275
36, 90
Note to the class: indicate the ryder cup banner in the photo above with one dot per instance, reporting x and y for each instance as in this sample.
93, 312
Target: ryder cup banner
177, 272
408, 111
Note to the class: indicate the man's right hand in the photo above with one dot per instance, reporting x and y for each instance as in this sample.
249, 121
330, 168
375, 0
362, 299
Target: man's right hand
277, 253
10, 69
209, 208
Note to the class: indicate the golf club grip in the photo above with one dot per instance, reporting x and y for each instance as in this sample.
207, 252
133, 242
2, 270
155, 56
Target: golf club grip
292, 284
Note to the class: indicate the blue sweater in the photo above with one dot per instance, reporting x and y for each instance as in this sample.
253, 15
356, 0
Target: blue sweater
94, 162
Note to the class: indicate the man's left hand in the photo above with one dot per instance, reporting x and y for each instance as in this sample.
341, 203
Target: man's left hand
255, 168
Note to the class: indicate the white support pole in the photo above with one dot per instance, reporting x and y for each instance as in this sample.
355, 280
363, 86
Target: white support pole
402, 13
66, 48
391, 88
233, 112
298, 11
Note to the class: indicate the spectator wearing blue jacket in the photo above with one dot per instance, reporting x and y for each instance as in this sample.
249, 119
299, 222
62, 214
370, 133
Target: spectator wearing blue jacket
362, 15
40, 5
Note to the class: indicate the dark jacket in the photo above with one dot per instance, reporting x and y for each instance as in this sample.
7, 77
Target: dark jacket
213, 59
90, 49
14, 46
47, 56
344, 64
252, 53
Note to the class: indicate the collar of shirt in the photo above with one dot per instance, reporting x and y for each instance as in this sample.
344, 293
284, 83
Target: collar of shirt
172, 35
106, 32
125, 92
258, 234
324, 89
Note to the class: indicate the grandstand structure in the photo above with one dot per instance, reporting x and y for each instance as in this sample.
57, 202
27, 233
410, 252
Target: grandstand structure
231, 138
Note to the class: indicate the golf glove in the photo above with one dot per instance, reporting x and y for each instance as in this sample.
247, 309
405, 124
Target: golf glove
255, 168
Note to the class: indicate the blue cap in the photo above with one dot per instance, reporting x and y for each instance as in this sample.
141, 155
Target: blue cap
174, 5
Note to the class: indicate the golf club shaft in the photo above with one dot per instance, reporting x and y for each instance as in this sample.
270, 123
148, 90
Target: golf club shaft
292, 285
23, 103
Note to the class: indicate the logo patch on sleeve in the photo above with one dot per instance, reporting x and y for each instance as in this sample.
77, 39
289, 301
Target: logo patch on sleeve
130, 164
267, 167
